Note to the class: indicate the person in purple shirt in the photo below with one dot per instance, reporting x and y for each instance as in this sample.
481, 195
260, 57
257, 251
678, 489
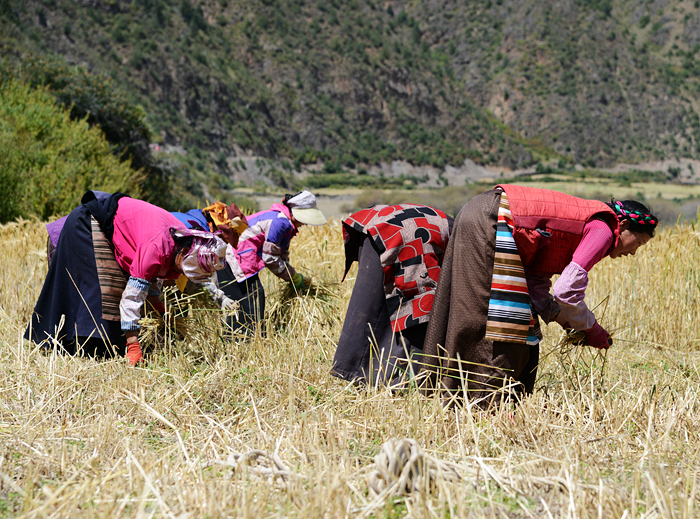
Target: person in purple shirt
265, 244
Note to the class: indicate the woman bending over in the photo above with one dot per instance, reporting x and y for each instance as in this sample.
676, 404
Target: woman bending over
506, 245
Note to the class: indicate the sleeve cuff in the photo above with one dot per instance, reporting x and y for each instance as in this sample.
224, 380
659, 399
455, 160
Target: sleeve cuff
131, 303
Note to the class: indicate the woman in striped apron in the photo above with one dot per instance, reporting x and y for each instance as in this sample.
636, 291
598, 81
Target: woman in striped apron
483, 336
111, 253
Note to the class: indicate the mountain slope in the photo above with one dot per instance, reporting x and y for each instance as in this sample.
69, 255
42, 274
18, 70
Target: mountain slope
356, 82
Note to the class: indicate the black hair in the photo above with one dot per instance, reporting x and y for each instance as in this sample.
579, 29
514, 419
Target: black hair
640, 216
210, 221
288, 197
181, 242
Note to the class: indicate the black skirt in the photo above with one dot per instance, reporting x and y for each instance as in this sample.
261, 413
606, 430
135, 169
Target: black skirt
250, 295
72, 289
369, 352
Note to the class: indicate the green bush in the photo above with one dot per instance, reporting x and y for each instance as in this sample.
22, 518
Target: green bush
48, 161
95, 99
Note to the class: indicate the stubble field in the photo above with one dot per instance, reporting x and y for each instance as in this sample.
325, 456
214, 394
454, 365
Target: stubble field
258, 428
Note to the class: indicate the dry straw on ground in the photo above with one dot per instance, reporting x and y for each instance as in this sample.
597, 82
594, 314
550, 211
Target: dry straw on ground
257, 428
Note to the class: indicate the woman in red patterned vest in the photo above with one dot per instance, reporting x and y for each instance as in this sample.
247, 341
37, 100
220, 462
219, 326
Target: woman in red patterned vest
496, 280
399, 249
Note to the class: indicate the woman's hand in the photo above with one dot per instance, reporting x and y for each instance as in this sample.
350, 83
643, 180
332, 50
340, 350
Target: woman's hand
598, 337
156, 304
299, 282
229, 305
133, 348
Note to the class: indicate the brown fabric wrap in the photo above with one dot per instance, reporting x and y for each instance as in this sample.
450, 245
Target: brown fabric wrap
457, 324
111, 277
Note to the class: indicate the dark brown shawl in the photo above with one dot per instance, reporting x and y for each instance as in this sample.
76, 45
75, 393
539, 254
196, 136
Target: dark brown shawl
455, 349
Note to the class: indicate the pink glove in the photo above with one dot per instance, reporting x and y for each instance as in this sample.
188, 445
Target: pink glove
598, 337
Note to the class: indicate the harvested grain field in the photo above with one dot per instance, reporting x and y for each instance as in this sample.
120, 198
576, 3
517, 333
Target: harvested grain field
258, 428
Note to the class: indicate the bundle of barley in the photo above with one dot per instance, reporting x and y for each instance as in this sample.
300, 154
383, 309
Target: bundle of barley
178, 323
156, 329
576, 364
316, 302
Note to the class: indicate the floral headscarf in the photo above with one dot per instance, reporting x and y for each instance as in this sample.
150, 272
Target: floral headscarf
206, 255
227, 219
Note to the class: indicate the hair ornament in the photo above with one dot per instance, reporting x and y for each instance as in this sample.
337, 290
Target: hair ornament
636, 214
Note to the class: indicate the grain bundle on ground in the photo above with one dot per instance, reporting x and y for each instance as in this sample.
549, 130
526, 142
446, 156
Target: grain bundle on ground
317, 301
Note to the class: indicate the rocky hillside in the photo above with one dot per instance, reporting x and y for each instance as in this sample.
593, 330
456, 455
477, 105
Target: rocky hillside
350, 83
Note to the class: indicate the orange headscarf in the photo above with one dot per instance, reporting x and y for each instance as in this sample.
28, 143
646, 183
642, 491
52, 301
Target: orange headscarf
227, 219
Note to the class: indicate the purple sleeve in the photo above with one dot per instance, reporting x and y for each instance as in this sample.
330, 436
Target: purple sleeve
570, 289
55, 228
595, 243
276, 247
569, 292
280, 228
567, 306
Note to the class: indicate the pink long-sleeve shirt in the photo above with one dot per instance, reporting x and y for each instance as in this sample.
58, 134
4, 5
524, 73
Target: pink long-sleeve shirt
143, 245
145, 249
566, 304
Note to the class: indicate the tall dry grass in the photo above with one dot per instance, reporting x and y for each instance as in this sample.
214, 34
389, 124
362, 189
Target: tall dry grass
600, 438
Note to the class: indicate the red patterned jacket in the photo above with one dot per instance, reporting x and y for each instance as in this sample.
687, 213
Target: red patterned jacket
411, 241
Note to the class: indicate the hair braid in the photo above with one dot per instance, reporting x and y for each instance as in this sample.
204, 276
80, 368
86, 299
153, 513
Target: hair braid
640, 217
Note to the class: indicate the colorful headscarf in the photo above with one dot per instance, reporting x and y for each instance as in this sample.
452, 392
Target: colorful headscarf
227, 219
206, 255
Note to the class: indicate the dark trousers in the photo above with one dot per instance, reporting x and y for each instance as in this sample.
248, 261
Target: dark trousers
250, 295
369, 352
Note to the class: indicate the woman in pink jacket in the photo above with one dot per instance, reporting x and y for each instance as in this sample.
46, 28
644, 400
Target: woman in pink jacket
111, 254
265, 244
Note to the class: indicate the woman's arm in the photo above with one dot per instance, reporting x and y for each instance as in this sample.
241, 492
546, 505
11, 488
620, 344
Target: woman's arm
149, 258
538, 286
275, 250
133, 297
570, 289
569, 292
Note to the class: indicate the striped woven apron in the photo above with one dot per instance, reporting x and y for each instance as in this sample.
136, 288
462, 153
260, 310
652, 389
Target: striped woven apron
510, 317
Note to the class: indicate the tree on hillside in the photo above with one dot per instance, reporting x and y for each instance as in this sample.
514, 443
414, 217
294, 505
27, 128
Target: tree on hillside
47, 160
95, 99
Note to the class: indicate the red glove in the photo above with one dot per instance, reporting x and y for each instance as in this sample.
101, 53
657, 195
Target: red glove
134, 353
159, 307
598, 337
